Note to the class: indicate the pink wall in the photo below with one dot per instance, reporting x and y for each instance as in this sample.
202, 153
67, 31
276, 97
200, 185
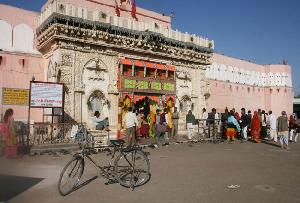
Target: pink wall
12, 72
14, 75
227, 60
226, 94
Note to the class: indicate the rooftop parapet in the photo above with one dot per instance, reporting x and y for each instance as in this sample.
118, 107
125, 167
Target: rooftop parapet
122, 22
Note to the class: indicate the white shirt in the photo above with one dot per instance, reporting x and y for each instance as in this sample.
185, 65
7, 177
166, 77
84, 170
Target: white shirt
263, 123
272, 120
130, 120
167, 118
98, 120
205, 115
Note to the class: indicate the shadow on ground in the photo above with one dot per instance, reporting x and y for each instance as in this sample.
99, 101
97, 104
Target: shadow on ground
11, 186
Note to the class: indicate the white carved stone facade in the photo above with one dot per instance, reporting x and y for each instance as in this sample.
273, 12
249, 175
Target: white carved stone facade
242, 75
85, 56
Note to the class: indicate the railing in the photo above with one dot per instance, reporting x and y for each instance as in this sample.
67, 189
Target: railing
210, 129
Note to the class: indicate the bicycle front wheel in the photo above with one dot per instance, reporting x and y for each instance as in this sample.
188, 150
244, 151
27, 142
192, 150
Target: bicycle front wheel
70, 176
132, 168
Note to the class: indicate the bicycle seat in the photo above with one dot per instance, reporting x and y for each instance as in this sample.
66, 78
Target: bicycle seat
117, 143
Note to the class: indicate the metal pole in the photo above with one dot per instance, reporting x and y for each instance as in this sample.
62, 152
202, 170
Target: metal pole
28, 119
52, 112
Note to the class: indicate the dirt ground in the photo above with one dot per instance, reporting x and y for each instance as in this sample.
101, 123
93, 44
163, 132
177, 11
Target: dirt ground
180, 173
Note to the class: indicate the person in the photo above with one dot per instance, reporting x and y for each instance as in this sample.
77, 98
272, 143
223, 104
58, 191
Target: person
263, 122
100, 122
232, 127
146, 106
144, 128
204, 117
159, 128
292, 127
190, 120
236, 115
244, 123
157, 116
283, 130
163, 116
272, 123
131, 123
212, 116
140, 118
8, 133
224, 119
259, 113
249, 125
169, 123
255, 127
175, 118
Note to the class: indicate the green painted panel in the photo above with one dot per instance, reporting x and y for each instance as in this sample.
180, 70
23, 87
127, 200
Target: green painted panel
168, 87
156, 85
142, 85
129, 84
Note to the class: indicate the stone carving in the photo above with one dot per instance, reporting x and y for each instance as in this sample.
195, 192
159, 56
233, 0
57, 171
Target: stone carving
66, 60
125, 42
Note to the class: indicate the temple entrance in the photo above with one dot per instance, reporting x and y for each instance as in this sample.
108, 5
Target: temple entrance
146, 87
147, 107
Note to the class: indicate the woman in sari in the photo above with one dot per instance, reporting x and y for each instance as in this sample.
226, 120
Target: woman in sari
9, 134
255, 127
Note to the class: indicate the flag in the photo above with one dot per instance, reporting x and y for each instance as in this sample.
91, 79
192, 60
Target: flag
117, 9
133, 10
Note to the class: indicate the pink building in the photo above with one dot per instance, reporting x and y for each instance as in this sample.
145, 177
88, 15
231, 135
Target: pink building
228, 82
236, 83
19, 58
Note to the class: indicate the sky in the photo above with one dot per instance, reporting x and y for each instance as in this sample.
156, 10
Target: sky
262, 31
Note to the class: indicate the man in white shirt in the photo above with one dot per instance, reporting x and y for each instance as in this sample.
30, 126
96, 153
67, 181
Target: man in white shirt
272, 122
130, 122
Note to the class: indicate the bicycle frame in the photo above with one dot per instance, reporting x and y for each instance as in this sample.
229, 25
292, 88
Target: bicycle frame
86, 154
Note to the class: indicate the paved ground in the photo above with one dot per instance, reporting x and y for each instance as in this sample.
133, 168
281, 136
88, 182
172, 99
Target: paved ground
180, 173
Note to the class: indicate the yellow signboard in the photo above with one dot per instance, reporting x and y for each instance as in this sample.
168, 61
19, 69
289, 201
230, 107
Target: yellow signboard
12, 96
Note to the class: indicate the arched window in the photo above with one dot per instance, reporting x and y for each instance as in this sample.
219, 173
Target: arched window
6, 35
23, 38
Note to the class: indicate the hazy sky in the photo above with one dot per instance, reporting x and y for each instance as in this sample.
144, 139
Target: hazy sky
263, 31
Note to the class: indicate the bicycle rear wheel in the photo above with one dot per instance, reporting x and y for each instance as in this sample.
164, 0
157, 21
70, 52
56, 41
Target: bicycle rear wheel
70, 176
132, 169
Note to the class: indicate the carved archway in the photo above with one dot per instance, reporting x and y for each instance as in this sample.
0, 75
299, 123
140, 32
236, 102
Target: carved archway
98, 102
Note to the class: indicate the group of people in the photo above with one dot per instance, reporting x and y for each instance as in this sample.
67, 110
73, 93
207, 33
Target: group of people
260, 125
163, 123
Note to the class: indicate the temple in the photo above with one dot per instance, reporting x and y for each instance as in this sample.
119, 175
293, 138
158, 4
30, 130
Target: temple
110, 56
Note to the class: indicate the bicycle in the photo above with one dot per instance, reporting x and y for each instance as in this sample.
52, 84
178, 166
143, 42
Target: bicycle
131, 168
